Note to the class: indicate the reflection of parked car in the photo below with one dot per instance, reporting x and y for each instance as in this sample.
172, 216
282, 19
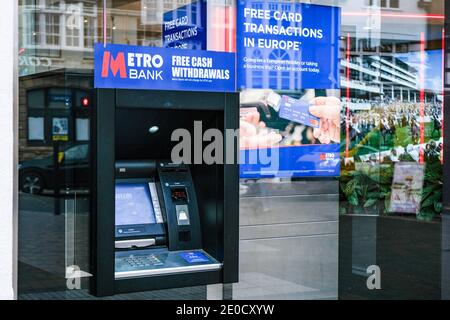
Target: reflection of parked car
38, 174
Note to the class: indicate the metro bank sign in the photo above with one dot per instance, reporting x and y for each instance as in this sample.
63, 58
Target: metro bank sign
147, 63
136, 67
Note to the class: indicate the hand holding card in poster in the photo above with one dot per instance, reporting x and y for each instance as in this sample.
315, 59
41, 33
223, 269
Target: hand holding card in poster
298, 112
254, 132
321, 113
328, 110
295, 137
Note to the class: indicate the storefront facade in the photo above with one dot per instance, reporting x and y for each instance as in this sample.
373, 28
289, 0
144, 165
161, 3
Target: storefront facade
354, 208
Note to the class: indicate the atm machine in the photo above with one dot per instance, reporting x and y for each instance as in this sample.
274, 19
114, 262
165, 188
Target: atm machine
157, 227
158, 224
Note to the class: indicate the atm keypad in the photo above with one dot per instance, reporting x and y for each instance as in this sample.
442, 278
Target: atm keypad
142, 261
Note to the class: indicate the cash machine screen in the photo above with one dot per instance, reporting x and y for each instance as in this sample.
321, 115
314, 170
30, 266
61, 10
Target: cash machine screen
134, 204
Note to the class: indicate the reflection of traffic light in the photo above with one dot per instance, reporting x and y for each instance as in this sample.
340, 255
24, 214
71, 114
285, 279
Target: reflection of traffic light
85, 102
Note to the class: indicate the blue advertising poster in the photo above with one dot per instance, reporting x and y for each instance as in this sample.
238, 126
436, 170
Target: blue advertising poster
185, 27
138, 67
287, 46
287, 54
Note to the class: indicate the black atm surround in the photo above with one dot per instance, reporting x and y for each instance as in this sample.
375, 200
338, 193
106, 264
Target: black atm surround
118, 122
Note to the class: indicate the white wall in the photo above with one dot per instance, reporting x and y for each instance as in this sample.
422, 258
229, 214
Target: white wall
8, 149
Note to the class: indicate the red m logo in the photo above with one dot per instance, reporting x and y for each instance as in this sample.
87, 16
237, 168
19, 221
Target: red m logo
116, 65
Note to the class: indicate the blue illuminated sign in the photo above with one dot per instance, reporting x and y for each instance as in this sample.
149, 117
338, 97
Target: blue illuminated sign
185, 27
138, 67
287, 46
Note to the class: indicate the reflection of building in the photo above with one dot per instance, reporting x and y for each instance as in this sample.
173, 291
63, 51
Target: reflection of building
374, 75
380, 45
61, 33
53, 98
379, 41
152, 9
56, 34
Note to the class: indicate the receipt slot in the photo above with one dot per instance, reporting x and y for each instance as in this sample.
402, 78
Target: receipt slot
158, 224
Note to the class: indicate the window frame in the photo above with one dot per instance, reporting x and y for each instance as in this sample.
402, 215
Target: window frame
35, 26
